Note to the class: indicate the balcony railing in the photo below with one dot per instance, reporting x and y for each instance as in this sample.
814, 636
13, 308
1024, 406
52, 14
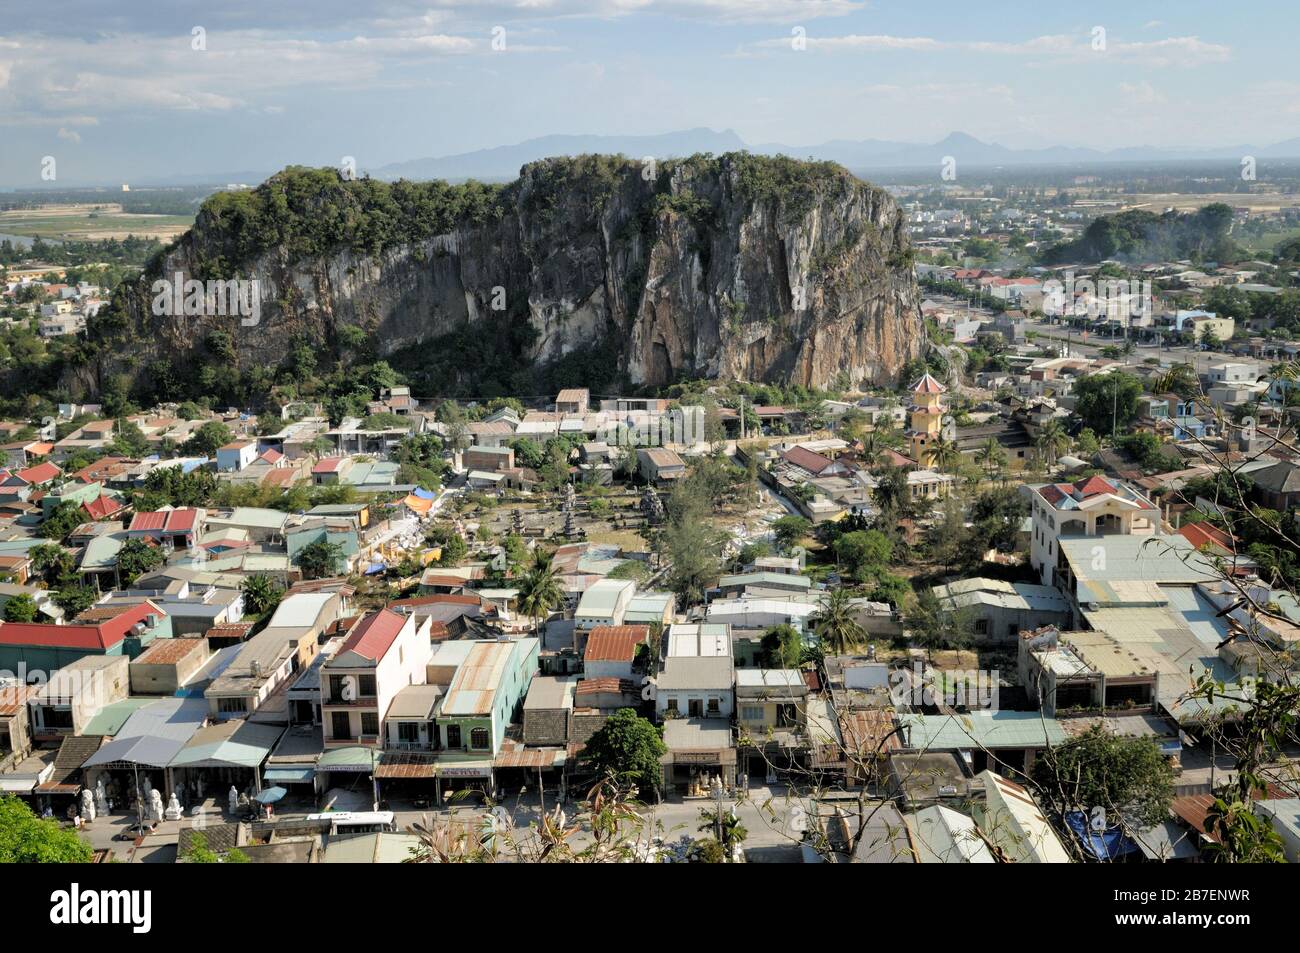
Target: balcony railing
360, 701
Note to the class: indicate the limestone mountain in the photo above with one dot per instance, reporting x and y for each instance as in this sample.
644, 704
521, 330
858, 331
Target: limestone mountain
594, 270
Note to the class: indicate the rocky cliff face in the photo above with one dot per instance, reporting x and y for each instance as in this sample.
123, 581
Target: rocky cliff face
732, 267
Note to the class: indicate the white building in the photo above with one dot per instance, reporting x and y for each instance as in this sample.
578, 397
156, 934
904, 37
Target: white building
1090, 507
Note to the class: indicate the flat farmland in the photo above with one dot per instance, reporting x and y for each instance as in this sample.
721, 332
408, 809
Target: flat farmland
86, 222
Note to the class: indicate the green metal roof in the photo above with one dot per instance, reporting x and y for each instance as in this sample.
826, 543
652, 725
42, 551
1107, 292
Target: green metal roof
110, 719
981, 729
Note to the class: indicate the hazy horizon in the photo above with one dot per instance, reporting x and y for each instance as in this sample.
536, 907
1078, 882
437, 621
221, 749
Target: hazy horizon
123, 94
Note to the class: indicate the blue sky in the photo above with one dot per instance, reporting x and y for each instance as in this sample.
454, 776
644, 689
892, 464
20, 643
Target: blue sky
115, 91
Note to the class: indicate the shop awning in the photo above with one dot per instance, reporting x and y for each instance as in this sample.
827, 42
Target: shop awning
289, 775
230, 744
352, 758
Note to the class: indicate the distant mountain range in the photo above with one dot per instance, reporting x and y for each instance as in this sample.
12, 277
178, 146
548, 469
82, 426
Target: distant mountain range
503, 162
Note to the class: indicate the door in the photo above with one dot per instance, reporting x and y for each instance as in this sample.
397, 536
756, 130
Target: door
453, 736
340, 726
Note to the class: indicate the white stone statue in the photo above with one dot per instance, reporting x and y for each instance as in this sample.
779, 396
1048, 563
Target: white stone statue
234, 800
87, 805
156, 810
173, 812
101, 797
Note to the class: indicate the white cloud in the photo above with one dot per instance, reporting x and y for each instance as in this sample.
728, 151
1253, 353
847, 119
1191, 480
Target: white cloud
69, 135
1182, 50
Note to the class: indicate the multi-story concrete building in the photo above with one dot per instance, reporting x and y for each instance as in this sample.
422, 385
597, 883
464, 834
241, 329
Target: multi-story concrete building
1090, 507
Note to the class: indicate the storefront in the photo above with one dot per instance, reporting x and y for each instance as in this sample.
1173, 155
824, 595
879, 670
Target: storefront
700, 754
221, 756
536, 769
404, 777
471, 777
350, 769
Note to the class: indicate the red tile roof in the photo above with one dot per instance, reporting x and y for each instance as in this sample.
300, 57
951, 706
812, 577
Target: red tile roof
102, 507
271, 455
1093, 486
1204, 534
148, 522
807, 459
102, 636
165, 521
328, 465
928, 385
609, 684
41, 473
375, 635
615, 643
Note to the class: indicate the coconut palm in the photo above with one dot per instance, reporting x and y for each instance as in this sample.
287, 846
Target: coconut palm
944, 453
1181, 379
539, 589
1051, 442
1285, 377
991, 456
836, 623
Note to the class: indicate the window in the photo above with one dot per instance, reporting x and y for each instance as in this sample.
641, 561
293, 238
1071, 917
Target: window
672, 703
480, 739
370, 722
715, 706
751, 713
366, 686
230, 705
408, 731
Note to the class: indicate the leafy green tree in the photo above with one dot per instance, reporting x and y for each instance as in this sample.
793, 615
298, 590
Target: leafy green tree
689, 543
204, 441
1129, 778
528, 452
75, 599
1107, 402
320, 559
781, 647
28, 839
137, 557
63, 519
788, 530
55, 565
863, 552
626, 749
20, 608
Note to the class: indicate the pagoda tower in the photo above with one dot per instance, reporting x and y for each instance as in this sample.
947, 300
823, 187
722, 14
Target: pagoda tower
927, 418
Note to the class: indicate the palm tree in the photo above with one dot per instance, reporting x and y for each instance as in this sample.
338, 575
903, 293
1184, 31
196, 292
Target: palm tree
944, 453
836, 624
1284, 377
1052, 440
991, 456
1181, 379
539, 590
260, 593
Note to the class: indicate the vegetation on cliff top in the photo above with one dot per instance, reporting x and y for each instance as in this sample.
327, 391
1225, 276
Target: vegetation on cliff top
303, 213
